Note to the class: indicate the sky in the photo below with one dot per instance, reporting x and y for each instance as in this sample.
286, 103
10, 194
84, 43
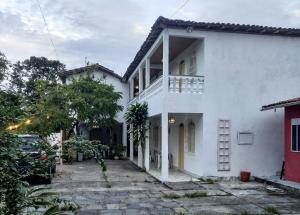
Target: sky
110, 32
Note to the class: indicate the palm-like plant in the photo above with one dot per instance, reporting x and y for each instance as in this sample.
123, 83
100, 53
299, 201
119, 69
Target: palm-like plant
137, 115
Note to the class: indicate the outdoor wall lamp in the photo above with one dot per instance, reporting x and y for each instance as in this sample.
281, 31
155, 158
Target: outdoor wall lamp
172, 120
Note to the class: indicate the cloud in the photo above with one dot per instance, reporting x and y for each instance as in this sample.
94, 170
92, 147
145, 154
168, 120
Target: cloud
111, 32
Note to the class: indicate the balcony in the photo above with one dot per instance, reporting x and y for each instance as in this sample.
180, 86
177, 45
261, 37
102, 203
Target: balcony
186, 84
176, 60
177, 84
152, 90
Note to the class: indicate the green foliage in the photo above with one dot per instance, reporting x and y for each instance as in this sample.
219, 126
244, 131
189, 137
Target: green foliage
118, 150
206, 180
3, 66
93, 102
37, 200
16, 197
171, 196
10, 109
78, 144
62, 107
271, 210
25, 73
196, 194
137, 115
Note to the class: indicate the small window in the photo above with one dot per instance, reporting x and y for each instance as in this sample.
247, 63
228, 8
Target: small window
191, 137
296, 135
245, 138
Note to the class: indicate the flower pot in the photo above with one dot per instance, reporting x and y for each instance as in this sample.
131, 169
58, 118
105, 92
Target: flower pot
79, 156
245, 176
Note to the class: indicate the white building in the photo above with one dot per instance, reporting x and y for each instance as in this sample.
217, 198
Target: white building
204, 84
107, 76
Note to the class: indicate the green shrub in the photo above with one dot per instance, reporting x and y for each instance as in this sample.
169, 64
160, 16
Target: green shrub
196, 194
271, 210
171, 196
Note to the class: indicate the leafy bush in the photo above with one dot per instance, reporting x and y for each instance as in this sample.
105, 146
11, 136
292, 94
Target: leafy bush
78, 144
16, 197
118, 150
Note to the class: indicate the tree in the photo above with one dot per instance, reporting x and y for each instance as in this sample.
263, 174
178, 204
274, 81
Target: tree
137, 115
25, 74
16, 197
3, 66
64, 106
10, 109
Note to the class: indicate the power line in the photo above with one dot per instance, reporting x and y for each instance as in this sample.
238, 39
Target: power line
179, 8
47, 28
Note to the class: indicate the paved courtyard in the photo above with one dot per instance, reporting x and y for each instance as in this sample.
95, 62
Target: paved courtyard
127, 190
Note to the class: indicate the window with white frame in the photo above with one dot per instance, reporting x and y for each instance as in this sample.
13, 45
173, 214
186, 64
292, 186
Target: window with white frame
295, 135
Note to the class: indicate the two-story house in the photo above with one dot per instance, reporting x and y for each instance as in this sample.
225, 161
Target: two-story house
205, 84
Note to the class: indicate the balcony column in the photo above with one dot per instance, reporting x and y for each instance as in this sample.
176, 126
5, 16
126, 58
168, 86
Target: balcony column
131, 89
125, 138
131, 144
140, 156
140, 80
164, 147
147, 148
147, 72
165, 62
164, 114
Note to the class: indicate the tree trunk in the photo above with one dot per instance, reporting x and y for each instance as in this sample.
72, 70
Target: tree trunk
71, 130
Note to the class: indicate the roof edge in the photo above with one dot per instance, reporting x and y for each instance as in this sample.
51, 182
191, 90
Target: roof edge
162, 23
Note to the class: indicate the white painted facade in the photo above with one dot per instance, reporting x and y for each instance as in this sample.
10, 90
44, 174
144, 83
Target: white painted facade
119, 86
241, 73
235, 75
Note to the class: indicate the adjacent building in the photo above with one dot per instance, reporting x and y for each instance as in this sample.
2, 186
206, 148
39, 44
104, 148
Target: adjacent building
291, 122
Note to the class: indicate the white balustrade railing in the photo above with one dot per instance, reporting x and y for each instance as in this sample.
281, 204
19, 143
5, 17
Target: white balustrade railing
177, 84
151, 90
186, 84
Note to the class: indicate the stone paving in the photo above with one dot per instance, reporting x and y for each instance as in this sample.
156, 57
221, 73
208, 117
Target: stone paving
135, 192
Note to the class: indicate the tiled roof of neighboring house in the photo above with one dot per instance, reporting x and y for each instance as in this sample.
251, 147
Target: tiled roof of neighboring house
163, 22
96, 67
290, 102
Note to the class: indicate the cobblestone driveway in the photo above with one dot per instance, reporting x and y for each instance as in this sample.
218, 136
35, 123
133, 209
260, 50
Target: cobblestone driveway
135, 192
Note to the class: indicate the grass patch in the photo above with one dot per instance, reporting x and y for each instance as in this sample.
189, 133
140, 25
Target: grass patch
249, 213
271, 210
196, 194
171, 196
206, 180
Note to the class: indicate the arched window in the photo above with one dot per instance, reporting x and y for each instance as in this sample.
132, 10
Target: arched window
191, 137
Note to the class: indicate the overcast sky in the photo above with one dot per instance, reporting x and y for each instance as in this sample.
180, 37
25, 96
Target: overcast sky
110, 32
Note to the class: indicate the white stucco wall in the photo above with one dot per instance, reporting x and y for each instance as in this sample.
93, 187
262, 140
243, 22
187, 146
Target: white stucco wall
242, 73
118, 85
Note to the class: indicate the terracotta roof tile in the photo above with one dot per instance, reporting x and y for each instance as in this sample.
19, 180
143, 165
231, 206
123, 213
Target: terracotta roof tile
163, 22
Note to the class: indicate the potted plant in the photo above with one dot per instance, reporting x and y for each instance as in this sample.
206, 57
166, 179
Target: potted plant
118, 150
80, 151
245, 176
